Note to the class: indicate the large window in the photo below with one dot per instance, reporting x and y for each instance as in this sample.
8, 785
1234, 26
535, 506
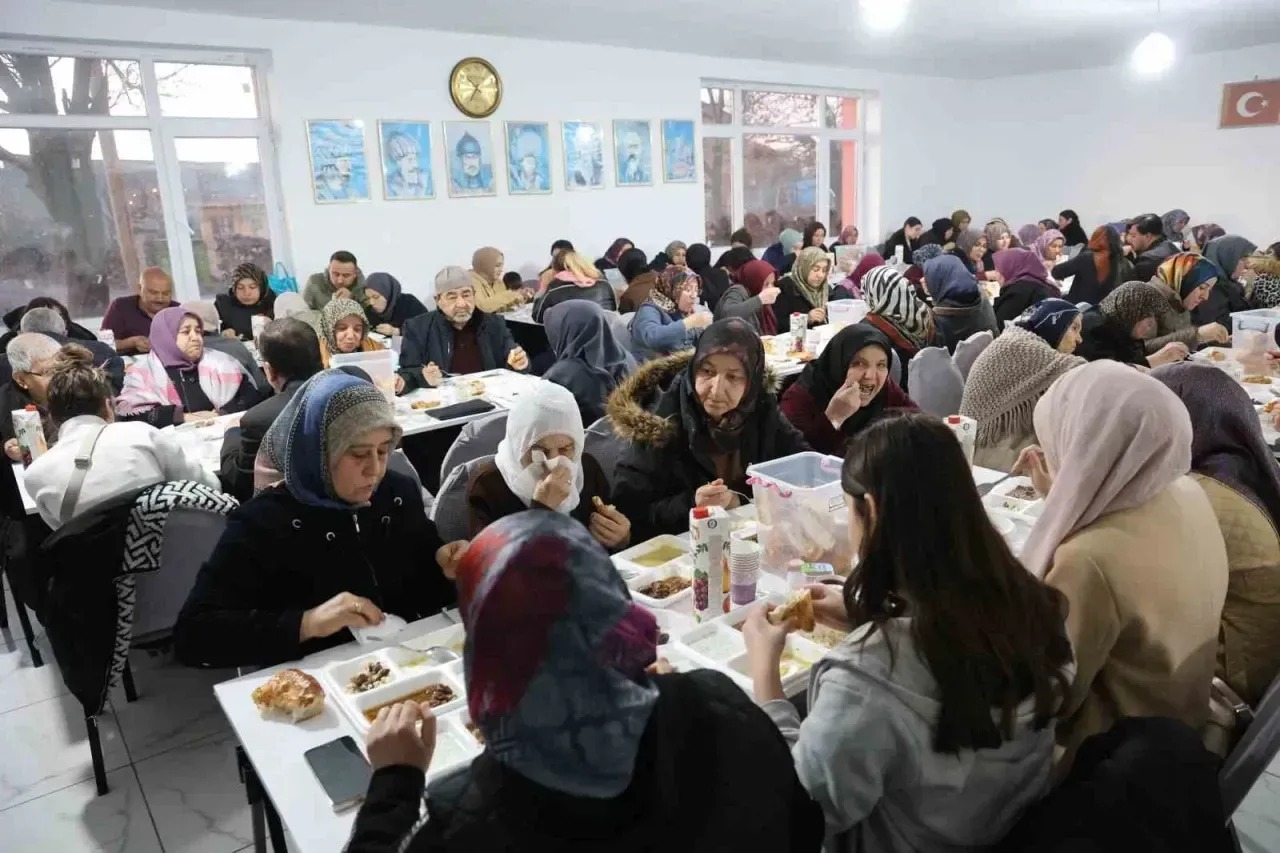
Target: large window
776, 157
113, 160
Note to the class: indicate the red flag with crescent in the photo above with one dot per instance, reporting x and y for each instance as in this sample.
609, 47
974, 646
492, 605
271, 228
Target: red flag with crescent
1250, 104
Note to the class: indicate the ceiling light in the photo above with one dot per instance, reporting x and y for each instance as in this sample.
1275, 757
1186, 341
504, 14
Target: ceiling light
1153, 55
884, 15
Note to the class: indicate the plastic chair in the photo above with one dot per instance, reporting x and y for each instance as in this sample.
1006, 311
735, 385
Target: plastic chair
450, 512
895, 367
1255, 751
478, 438
968, 350
605, 447
936, 383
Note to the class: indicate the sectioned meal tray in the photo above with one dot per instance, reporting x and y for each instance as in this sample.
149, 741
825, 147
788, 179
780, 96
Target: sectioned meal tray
1016, 498
410, 675
719, 645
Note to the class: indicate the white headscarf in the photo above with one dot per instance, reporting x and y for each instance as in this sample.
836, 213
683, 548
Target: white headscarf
549, 409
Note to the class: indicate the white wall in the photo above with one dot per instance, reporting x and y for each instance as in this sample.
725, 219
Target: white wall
1110, 146
340, 71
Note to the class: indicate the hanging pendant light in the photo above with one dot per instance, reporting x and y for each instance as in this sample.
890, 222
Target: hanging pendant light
1154, 55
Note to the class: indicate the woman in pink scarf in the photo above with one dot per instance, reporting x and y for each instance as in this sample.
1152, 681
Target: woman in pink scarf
1024, 283
179, 381
1132, 542
853, 282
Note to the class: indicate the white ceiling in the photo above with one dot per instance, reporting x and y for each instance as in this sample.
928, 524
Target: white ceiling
952, 38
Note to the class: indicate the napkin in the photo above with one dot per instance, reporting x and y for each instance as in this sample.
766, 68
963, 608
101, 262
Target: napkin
390, 626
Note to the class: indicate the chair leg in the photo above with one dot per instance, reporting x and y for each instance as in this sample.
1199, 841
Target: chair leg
126, 679
95, 751
4, 611
37, 660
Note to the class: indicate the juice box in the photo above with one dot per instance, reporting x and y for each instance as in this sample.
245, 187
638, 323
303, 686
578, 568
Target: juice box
709, 529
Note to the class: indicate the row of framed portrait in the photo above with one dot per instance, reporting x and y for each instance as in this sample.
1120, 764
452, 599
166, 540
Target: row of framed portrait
340, 171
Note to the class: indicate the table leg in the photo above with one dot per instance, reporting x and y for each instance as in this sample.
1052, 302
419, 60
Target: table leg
254, 793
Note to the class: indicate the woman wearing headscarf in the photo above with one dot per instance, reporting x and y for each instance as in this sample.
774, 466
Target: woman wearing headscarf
1057, 321
1174, 221
1002, 389
694, 423
715, 281
1097, 269
998, 237
815, 235
733, 259
247, 296
1202, 234
853, 283
1117, 328
179, 381
492, 295
634, 267
1048, 247
609, 261
960, 220
939, 234
344, 329
804, 290
782, 254
667, 321
844, 390
574, 279
752, 298
915, 272
1237, 470
587, 744
848, 237
1185, 280
1024, 282
335, 546
960, 308
1134, 545
589, 360
674, 255
1228, 254
387, 306
1069, 225
1027, 235
541, 464
894, 307
970, 246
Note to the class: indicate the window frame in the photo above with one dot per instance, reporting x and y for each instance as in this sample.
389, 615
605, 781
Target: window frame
736, 130
165, 129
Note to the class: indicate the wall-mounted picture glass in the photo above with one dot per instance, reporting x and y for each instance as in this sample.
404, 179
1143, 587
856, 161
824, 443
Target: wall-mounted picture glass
679, 162
633, 152
528, 158
339, 170
406, 159
469, 150
583, 155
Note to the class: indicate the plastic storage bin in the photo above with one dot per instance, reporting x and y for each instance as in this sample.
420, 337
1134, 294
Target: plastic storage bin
801, 512
379, 364
1252, 334
846, 312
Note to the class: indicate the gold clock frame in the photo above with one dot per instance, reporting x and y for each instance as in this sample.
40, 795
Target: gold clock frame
453, 88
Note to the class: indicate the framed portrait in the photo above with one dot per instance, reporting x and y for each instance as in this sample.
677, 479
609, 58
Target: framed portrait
632, 153
528, 158
679, 160
406, 160
339, 168
468, 149
583, 155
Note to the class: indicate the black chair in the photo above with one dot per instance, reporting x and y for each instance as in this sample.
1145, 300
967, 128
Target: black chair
20, 538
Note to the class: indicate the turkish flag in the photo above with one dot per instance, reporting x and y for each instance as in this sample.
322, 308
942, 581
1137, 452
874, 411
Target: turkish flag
1250, 104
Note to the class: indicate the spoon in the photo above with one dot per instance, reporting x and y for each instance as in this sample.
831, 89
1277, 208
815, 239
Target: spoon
439, 655
986, 488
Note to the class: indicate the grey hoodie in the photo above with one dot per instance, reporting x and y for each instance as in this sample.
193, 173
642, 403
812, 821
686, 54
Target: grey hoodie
865, 754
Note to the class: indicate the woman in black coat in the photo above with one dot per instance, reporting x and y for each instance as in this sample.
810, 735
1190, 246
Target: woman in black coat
247, 297
694, 424
387, 306
589, 360
715, 280
1025, 283
337, 544
574, 278
1097, 270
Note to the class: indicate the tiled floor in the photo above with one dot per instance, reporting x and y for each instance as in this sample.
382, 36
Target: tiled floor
172, 771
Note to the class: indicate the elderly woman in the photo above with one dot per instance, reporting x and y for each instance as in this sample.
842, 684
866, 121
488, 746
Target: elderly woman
1058, 322
844, 390
1185, 279
574, 278
344, 329
492, 295
1228, 254
896, 309
31, 356
1117, 328
694, 423
589, 360
387, 306
634, 267
804, 290
752, 298
667, 321
248, 296
674, 255
960, 308
541, 464
1024, 281
1002, 389
123, 457
782, 254
341, 542
1134, 545
587, 745
179, 381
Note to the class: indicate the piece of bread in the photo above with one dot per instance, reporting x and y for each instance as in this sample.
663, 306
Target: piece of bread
798, 606
290, 692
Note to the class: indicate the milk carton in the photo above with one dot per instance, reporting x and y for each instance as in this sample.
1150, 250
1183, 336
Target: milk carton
799, 325
30, 434
966, 430
709, 529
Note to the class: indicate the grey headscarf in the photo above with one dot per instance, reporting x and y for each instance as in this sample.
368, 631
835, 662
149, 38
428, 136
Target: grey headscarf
1226, 252
1174, 221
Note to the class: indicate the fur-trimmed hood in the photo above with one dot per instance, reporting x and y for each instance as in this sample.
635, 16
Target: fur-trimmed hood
633, 406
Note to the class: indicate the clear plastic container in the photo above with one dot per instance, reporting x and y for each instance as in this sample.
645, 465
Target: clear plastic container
846, 312
1253, 333
379, 364
801, 512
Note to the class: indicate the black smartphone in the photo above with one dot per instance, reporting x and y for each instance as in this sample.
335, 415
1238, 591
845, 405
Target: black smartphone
342, 770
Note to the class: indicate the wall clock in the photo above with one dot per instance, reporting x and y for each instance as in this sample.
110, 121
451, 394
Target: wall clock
475, 87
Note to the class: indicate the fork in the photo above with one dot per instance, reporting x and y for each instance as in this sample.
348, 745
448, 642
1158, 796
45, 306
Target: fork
986, 488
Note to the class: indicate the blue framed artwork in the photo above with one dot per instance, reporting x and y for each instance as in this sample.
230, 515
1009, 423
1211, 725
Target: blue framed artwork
406, 159
528, 158
583, 155
632, 153
679, 157
339, 168
468, 149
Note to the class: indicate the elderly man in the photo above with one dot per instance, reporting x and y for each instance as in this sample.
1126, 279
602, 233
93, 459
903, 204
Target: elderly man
1150, 245
49, 322
31, 357
129, 317
455, 338
341, 279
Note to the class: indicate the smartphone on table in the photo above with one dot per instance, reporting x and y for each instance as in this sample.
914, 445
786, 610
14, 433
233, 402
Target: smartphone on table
342, 771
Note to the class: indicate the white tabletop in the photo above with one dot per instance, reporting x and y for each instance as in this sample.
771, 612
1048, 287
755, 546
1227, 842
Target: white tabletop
523, 314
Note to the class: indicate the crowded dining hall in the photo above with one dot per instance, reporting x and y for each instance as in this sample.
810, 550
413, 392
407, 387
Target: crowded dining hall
366, 491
